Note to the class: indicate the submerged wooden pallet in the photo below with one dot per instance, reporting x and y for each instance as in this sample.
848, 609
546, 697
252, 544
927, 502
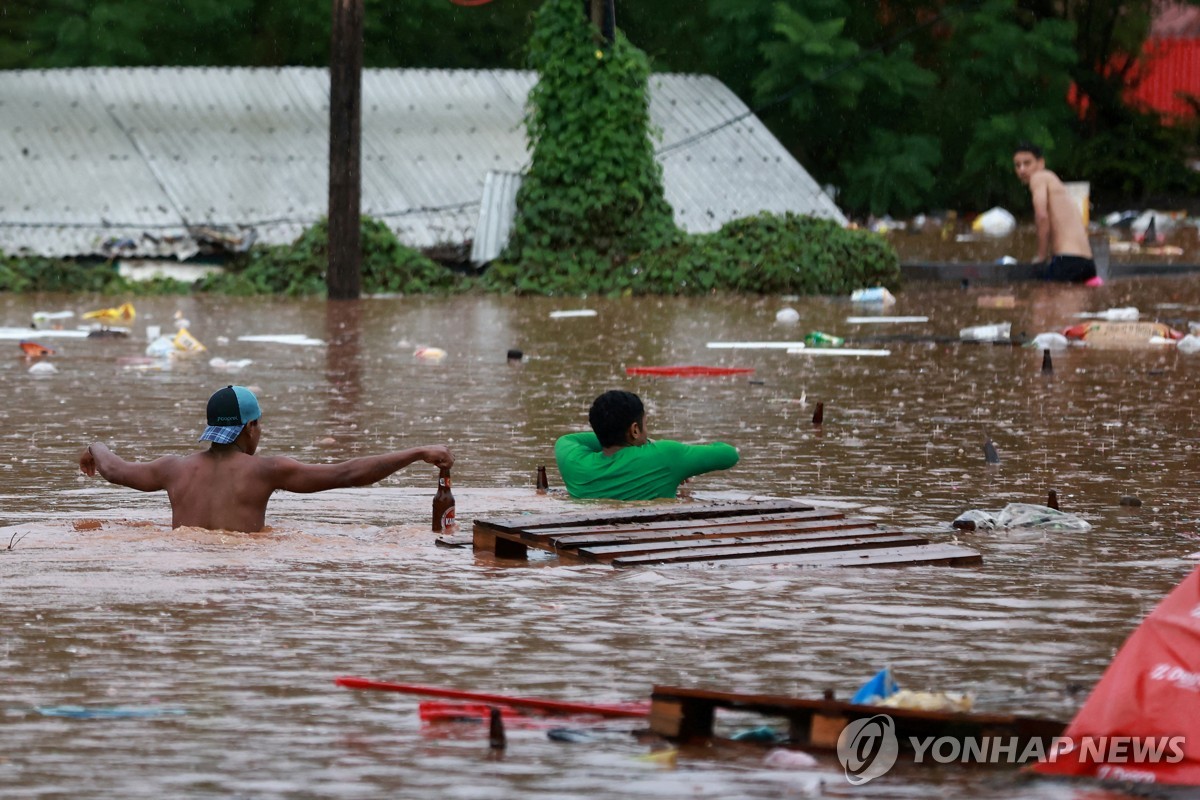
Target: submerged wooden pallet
767, 532
687, 714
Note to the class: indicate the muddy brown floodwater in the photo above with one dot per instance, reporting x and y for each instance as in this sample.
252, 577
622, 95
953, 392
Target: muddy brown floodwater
234, 640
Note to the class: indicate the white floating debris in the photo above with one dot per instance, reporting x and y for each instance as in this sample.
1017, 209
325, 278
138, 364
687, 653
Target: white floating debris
579, 312
986, 333
48, 333
43, 369
995, 222
429, 353
754, 345
45, 319
1128, 314
1051, 340
229, 365
836, 351
282, 338
787, 316
877, 295
884, 320
1188, 344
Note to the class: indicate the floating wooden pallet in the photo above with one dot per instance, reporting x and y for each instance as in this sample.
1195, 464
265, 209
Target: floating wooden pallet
685, 714
767, 532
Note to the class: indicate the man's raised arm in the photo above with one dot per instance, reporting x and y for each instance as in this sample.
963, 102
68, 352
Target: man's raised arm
294, 476
145, 477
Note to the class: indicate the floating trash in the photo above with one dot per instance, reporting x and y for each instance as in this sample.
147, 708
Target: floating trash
432, 354
49, 319
787, 316
282, 338
986, 333
229, 365
1127, 314
110, 712
995, 222
884, 320
123, 314
43, 369
581, 312
876, 295
35, 350
185, 342
1050, 341
837, 351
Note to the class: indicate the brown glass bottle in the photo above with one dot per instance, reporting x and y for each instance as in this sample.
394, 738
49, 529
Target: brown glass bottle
443, 504
542, 485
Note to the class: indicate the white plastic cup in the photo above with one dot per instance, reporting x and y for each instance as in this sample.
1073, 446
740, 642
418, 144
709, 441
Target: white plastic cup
153, 332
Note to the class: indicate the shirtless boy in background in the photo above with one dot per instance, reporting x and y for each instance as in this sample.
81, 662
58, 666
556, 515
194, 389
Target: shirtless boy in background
1063, 251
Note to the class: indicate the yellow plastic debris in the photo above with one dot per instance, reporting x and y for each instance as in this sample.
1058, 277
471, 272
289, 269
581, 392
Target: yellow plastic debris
186, 342
123, 314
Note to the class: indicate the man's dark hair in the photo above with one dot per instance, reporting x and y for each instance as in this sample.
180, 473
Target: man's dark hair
1028, 147
612, 413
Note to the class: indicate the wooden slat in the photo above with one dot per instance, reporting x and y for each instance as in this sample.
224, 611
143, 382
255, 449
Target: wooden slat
689, 532
603, 552
680, 511
923, 554
688, 713
779, 552
699, 522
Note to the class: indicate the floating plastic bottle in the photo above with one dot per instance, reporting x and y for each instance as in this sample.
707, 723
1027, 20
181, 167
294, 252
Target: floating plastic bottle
986, 333
822, 339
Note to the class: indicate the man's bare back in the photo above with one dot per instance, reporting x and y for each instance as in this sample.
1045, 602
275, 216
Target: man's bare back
227, 486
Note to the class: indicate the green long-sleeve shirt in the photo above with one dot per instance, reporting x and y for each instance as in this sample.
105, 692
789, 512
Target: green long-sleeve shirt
644, 472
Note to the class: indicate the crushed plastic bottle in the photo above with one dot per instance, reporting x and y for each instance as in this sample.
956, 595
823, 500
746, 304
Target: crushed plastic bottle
878, 295
822, 339
986, 333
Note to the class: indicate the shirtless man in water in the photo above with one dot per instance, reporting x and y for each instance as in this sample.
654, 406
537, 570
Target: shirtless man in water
226, 487
1063, 250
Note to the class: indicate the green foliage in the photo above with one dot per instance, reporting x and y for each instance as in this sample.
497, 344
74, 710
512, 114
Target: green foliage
765, 254
298, 269
38, 274
593, 195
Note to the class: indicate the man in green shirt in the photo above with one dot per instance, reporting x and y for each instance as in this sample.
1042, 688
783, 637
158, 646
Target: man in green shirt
617, 461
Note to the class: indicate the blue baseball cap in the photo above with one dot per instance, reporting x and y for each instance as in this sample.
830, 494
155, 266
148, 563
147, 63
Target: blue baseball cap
229, 410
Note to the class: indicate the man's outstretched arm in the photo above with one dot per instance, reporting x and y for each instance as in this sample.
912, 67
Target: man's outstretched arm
295, 476
145, 477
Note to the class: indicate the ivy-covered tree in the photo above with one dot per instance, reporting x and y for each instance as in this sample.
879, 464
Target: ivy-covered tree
593, 193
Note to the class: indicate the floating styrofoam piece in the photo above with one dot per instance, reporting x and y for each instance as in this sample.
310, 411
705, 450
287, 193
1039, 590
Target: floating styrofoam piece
429, 354
282, 338
754, 345
884, 320
836, 351
49, 333
43, 369
787, 316
233, 365
1127, 314
579, 312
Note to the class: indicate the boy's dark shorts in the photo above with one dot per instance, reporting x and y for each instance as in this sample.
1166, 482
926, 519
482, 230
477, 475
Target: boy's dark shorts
1070, 269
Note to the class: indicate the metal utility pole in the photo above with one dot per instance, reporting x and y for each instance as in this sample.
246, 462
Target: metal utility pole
603, 14
345, 150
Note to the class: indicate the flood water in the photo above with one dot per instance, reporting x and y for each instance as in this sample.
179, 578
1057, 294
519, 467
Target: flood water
234, 640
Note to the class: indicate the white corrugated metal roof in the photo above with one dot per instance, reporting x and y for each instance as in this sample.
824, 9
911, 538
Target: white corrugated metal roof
135, 161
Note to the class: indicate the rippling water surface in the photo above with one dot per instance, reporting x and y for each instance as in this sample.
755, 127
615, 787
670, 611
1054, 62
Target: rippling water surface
243, 634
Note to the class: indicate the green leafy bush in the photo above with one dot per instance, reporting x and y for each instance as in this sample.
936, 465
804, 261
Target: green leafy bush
593, 195
298, 269
39, 274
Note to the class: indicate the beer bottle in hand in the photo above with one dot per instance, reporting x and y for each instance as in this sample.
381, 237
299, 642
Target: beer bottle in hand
443, 504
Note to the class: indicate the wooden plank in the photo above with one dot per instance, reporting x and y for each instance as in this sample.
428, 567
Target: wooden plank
922, 554
778, 551
819, 718
612, 551
699, 522
689, 533
485, 540
678, 511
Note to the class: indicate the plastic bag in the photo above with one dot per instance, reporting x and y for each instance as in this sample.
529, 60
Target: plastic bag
1020, 515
